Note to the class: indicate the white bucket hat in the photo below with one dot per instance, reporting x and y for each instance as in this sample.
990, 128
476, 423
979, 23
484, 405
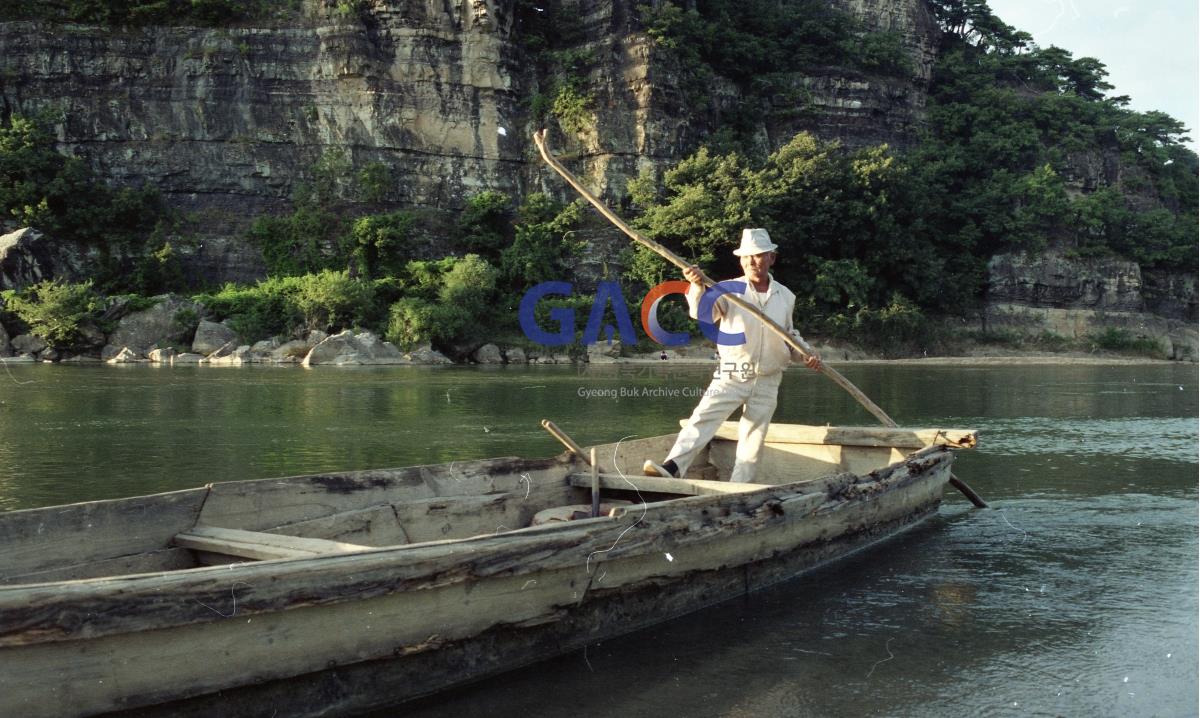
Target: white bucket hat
755, 241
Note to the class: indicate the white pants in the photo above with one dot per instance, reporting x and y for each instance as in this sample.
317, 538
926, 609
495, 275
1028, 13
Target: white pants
756, 396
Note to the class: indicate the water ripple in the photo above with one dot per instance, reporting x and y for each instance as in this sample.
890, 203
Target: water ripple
1170, 438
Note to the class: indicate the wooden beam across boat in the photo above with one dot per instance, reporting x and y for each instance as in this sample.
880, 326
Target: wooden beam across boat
662, 485
898, 438
258, 545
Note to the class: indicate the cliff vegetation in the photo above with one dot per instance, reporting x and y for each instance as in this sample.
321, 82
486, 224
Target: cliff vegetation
1019, 148
873, 239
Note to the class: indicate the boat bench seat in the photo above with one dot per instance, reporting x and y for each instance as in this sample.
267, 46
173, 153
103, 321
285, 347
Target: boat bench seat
661, 485
258, 545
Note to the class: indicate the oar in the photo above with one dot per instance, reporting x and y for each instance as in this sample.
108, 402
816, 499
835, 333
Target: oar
539, 139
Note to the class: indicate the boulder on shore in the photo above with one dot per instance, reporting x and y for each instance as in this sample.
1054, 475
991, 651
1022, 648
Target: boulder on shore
230, 354
157, 326
108, 352
339, 349
161, 356
488, 354
125, 356
604, 352
28, 344
377, 350
426, 354
211, 337
347, 348
291, 352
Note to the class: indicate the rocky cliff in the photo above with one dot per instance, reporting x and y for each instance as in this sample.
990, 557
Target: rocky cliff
228, 122
1075, 298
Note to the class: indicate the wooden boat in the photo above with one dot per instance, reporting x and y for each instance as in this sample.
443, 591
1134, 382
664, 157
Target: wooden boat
338, 593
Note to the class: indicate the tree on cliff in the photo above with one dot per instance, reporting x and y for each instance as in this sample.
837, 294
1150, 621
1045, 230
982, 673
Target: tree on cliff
1013, 131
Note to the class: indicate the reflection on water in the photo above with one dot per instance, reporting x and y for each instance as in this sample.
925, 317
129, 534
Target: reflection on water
1075, 596
1169, 438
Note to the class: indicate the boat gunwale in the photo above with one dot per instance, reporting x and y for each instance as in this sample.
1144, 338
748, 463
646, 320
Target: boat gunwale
44, 612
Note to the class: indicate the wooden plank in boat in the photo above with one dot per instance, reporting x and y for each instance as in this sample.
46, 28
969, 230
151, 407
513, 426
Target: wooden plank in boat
259, 545
659, 484
62, 536
858, 436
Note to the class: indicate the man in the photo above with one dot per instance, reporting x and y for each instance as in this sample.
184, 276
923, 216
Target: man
750, 372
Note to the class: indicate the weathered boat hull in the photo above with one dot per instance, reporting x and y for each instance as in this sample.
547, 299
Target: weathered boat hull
349, 632
372, 685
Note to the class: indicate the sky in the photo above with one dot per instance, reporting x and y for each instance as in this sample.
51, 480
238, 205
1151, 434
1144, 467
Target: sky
1150, 47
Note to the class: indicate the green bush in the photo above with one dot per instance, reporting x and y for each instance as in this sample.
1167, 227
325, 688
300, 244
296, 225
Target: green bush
486, 223
326, 300
448, 300
1122, 340
573, 109
840, 282
544, 247
158, 272
423, 277
881, 52
381, 245
898, 329
469, 284
413, 321
331, 299
1051, 341
298, 243
262, 310
55, 310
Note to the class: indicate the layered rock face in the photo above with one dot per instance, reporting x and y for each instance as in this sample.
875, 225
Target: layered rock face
644, 120
867, 110
1075, 298
229, 122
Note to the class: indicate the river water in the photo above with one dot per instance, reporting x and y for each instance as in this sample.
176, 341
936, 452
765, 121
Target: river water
1076, 595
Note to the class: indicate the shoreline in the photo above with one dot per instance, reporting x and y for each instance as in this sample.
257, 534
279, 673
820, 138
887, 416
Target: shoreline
973, 360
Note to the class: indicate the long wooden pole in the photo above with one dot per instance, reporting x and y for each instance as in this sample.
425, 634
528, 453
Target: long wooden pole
539, 139
567, 441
